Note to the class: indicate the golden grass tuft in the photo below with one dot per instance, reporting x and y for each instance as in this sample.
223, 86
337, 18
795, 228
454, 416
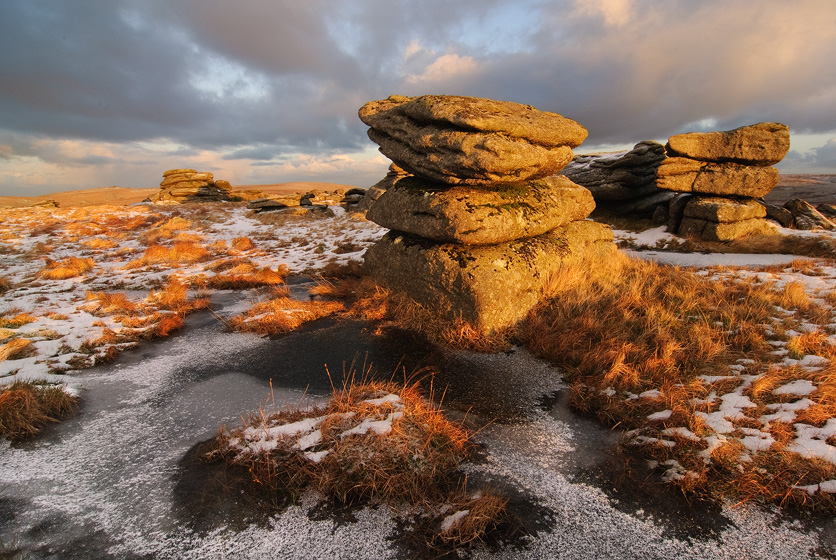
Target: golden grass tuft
5, 284
99, 243
243, 244
247, 275
282, 314
815, 342
16, 321
67, 268
108, 303
14, 348
179, 253
411, 462
174, 296
25, 408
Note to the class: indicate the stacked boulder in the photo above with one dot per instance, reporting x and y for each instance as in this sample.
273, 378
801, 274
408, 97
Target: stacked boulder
188, 185
623, 182
724, 174
478, 218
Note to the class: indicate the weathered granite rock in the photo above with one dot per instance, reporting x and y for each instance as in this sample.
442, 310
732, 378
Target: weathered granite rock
480, 216
779, 214
829, 210
471, 141
195, 177
274, 203
758, 144
722, 179
676, 210
177, 171
805, 216
188, 185
620, 175
718, 209
489, 286
643, 206
726, 231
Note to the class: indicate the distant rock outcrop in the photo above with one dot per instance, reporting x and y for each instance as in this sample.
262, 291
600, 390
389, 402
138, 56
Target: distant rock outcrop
725, 172
188, 185
478, 220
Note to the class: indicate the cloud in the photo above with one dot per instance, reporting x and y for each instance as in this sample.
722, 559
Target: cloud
261, 80
821, 159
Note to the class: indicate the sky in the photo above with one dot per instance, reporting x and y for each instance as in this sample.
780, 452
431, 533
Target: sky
95, 93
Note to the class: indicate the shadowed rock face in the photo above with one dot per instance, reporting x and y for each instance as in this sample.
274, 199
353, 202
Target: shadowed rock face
760, 144
471, 141
618, 176
480, 216
489, 286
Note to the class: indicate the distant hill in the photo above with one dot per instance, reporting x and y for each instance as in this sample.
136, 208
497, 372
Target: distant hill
122, 196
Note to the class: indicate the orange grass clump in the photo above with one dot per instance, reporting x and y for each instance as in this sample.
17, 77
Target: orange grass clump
17, 321
179, 253
372, 441
14, 348
282, 314
68, 268
246, 275
25, 408
174, 296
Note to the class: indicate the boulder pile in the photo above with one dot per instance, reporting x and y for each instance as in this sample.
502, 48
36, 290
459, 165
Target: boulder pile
624, 182
478, 218
722, 175
188, 185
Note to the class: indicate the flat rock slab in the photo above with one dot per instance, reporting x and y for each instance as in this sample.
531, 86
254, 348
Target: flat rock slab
759, 144
186, 177
474, 114
618, 176
723, 179
728, 231
489, 286
471, 141
718, 209
476, 216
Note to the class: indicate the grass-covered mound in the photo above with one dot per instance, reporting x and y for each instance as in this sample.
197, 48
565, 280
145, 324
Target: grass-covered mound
373, 443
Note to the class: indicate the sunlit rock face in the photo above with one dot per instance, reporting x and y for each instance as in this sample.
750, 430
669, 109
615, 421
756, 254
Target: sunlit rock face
726, 171
479, 218
188, 185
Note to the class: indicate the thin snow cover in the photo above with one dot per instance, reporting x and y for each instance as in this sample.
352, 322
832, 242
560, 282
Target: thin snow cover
661, 415
800, 387
304, 434
69, 331
450, 522
811, 441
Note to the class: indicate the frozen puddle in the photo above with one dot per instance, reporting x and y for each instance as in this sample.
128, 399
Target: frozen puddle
119, 481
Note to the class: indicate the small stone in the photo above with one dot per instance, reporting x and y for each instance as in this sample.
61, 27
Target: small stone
760, 144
